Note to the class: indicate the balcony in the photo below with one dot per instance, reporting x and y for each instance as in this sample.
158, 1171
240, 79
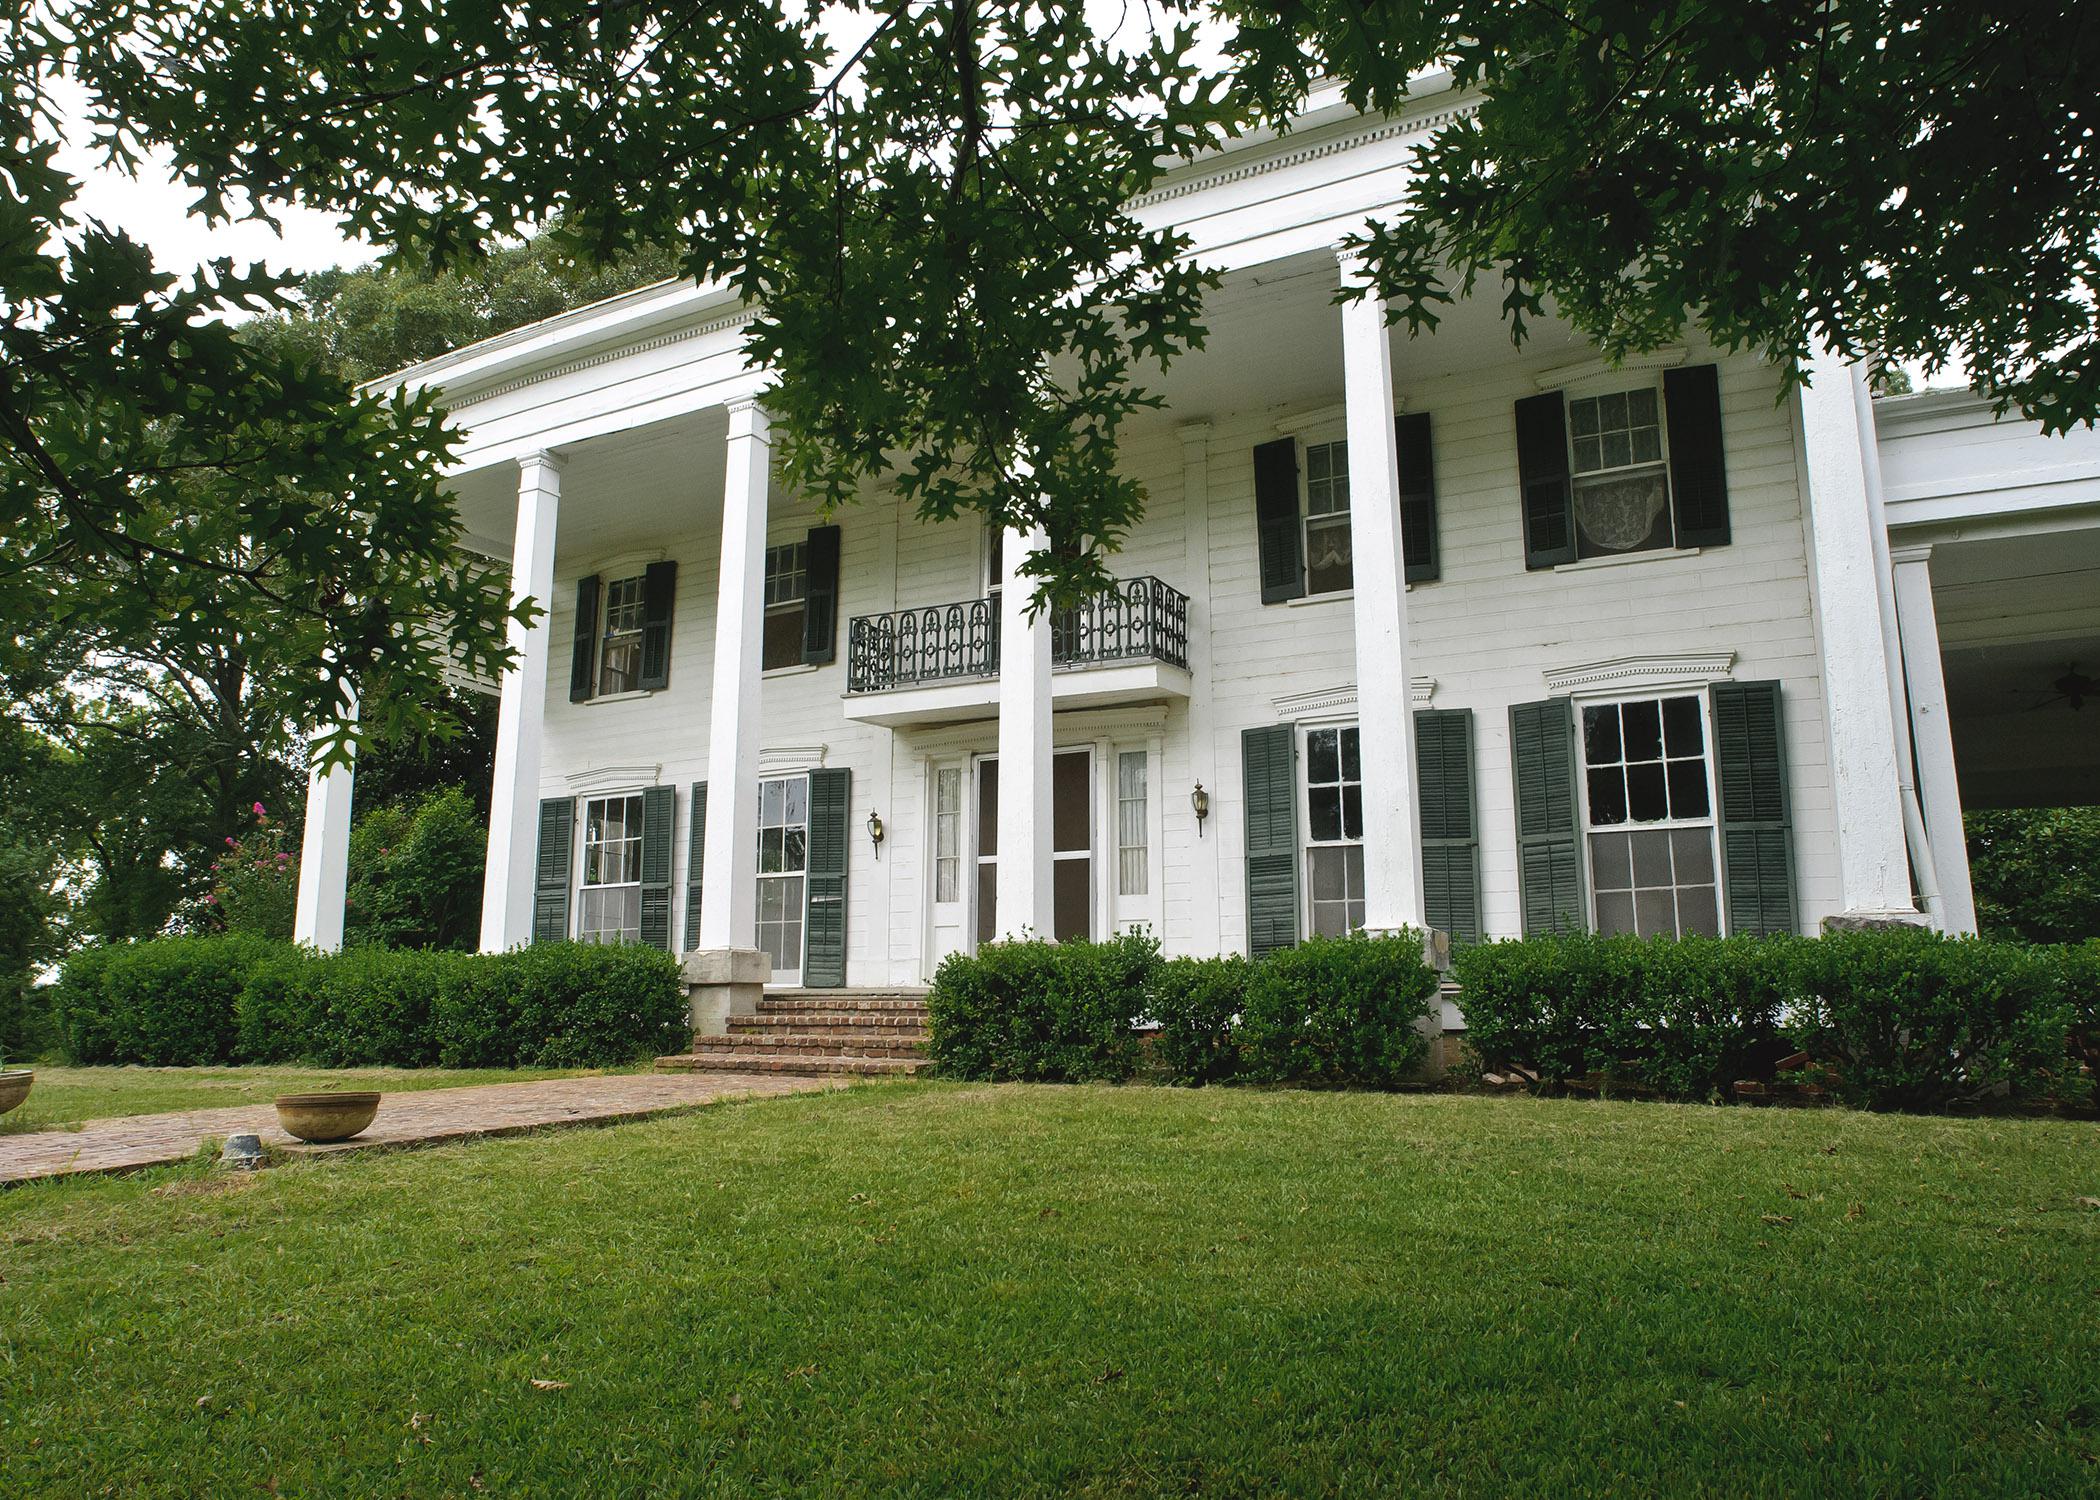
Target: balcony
1127, 644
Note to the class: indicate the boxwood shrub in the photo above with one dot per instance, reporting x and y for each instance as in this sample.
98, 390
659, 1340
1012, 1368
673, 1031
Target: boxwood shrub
236, 998
1338, 1010
1042, 1012
1196, 1006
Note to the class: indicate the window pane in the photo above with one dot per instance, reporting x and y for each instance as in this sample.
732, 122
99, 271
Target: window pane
1692, 850
1611, 862
1070, 804
1698, 915
1352, 757
1131, 841
1329, 880
988, 808
771, 842
772, 802
794, 852
1589, 455
947, 792
1323, 760
1640, 406
1643, 730
987, 902
1614, 913
1354, 862
1324, 806
1688, 789
1607, 796
1626, 512
1582, 417
783, 638
1071, 905
1655, 912
1651, 858
1329, 565
1646, 799
1611, 410
1352, 811
1600, 734
1647, 445
1683, 733
797, 801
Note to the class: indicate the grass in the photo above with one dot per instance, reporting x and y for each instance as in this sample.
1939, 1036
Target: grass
928, 1289
66, 1096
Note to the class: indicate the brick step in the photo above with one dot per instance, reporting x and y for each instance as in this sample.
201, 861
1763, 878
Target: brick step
816, 1022
775, 1062
843, 1000
863, 1045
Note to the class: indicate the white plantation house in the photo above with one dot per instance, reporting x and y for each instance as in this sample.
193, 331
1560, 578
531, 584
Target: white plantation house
1415, 632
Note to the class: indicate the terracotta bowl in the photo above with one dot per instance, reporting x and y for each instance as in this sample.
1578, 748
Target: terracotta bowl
321, 1118
14, 1087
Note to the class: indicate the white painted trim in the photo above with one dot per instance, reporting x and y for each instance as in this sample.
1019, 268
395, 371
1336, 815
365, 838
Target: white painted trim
1329, 422
1336, 596
1601, 376
1634, 674
599, 781
789, 760
1339, 701
631, 695
793, 669
1622, 559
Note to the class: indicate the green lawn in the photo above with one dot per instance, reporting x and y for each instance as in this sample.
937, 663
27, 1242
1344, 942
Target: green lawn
928, 1289
65, 1096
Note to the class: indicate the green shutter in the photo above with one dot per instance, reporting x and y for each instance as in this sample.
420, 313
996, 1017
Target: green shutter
1278, 533
1268, 764
1549, 835
1543, 479
659, 588
659, 822
1698, 477
695, 862
550, 883
1450, 836
824, 926
583, 660
1417, 496
1757, 839
820, 601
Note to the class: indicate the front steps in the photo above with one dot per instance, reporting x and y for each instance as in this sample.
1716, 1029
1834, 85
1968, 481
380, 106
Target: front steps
878, 1032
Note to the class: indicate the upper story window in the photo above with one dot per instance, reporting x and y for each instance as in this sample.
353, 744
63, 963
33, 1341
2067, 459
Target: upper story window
1328, 553
1647, 791
1621, 479
620, 638
1334, 827
787, 593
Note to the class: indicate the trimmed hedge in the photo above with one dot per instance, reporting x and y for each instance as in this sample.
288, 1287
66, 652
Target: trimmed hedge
1331, 1011
236, 998
1891, 1019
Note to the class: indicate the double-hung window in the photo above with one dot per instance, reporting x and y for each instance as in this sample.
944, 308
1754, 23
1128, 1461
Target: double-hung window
787, 590
1334, 829
1622, 481
1329, 555
1648, 794
783, 864
609, 896
620, 637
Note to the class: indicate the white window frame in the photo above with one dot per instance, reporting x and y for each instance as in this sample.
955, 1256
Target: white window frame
790, 976
1326, 520
637, 609
1592, 390
1302, 777
633, 797
1141, 887
948, 859
1711, 822
798, 604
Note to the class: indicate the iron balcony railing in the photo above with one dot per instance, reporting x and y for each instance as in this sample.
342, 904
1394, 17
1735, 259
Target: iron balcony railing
1135, 619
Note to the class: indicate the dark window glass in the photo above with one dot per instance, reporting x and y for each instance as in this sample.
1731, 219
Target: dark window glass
1611, 862
1697, 912
1682, 731
1643, 722
1655, 912
1352, 812
1072, 908
783, 647
1070, 805
1322, 755
987, 903
1646, 800
988, 807
1324, 803
1651, 857
1352, 757
1687, 788
1600, 735
1607, 796
1694, 851
1615, 912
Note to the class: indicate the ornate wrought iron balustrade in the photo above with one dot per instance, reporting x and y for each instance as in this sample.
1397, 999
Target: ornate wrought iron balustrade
1137, 619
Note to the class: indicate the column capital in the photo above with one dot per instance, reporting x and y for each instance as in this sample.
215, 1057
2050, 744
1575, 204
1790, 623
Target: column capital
1349, 259
1195, 435
542, 458
748, 418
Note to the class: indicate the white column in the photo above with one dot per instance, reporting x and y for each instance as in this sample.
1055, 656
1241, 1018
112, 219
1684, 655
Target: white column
1205, 927
514, 806
1384, 707
1873, 862
1026, 906
1932, 736
324, 855
729, 894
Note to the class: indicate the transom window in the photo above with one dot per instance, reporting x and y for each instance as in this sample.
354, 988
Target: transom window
609, 897
787, 588
1622, 485
1648, 790
783, 859
1132, 876
1328, 551
1334, 823
620, 640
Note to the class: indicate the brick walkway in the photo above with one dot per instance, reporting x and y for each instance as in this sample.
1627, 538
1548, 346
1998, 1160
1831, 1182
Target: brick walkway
419, 1118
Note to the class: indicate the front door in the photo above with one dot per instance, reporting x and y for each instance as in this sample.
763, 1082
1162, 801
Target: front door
1071, 845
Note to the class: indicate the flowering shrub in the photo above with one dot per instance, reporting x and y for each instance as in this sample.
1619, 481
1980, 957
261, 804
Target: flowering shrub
255, 882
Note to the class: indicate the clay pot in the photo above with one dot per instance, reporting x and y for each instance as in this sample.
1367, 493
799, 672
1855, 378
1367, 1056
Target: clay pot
321, 1118
14, 1087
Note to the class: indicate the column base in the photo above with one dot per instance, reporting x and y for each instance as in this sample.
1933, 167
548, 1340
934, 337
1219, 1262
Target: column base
724, 982
1872, 921
1436, 943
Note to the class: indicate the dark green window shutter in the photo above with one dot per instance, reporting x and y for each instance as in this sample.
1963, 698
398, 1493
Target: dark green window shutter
1417, 496
550, 881
1268, 764
820, 606
1757, 838
659, 822
824, 926
695, 862
1278, 533
659, 588
1542, 476
1698, 478
1450, 835
583, 662
1549, 835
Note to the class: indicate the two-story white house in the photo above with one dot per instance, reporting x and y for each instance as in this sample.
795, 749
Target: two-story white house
1415, 632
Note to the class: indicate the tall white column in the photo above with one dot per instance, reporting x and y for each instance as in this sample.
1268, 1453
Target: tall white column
324, 855
729, 894
514, 805
1932, 736
1873, 861
1201, 871
1384, 708
1026, 906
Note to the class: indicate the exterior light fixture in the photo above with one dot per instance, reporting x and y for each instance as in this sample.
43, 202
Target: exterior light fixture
1199, 799
875, 831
